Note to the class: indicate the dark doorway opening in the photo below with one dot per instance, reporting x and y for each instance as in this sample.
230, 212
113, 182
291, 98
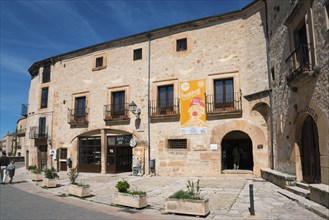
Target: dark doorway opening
310, 154
42, 157
237, 151
119, 154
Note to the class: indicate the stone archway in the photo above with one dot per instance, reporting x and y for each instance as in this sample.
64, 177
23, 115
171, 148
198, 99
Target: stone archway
320, 123
260, 149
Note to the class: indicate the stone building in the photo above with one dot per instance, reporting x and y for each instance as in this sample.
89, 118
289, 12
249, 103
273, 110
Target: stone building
299, 52
191, 99
299, 64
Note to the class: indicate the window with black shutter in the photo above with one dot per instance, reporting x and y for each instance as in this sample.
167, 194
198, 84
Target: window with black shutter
46, 74
181, 44
138, 54
44, 97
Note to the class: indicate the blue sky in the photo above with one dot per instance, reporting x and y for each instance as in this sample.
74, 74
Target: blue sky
35, 30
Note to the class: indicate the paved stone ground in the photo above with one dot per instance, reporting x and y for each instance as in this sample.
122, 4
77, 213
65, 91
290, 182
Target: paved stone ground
228, 195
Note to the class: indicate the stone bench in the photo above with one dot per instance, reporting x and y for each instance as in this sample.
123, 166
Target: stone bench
319, 193
278, 178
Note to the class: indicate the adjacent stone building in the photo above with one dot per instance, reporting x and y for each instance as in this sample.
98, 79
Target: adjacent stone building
191, 99
299, 54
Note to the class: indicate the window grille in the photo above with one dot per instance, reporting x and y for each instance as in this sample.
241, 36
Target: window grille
177, 143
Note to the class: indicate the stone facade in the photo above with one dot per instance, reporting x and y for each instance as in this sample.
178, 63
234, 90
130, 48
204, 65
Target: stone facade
300, 87
230, 46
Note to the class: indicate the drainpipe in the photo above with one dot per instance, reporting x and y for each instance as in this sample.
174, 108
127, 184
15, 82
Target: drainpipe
269, 83
148, 35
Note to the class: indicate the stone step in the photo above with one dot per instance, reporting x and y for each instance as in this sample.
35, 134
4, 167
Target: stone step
299, 191
303, 185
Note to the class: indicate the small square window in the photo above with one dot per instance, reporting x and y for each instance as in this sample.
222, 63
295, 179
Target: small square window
177, 143
99, 62
138, 54
181, 44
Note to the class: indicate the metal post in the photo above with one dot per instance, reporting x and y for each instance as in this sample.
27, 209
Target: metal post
251, 196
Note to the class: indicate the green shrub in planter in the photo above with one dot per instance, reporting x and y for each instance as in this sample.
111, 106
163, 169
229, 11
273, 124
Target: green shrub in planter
193, 191
36, 171
73, 175
51, 173
122, 186
32, 167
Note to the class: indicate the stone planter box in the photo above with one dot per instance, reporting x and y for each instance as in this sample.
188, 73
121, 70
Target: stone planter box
187, 206
36, 177
79, 191
50, 183
126, 199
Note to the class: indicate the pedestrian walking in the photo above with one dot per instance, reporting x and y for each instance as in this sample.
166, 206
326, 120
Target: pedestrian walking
4, 162
11, 171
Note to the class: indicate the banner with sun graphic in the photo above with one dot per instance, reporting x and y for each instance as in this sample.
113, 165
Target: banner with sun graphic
192, 107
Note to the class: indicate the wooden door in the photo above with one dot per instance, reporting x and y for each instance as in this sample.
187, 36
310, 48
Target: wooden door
310, 152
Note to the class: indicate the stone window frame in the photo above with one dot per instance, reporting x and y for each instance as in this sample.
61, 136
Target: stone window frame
165, 82
210, 89
104, 63
189, 44
121, 88
81, 94
46, 86
302, 16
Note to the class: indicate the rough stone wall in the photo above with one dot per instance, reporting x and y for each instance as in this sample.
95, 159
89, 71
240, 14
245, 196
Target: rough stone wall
288, 105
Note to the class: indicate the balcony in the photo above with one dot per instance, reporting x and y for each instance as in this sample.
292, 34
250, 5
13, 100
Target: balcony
116, 113
24, 110
227, 105
300, 67
37, 133
20, 132
167, 109
78, 117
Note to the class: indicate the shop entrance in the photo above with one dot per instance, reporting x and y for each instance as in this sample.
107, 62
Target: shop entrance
310, 154
237, 151
119, 154
90, 154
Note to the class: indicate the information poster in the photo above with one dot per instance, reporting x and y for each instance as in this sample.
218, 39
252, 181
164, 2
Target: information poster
192, 107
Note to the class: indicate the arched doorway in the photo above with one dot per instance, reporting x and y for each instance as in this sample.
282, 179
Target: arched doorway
310, 154
237, 151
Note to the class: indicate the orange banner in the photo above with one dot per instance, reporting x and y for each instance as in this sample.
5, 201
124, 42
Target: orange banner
192, 107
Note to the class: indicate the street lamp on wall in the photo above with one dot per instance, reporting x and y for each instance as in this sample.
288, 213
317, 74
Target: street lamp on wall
133, 108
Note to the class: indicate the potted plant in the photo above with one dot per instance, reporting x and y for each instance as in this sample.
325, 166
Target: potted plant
188, 202
50, 177
77, 189
35, 173
125, 197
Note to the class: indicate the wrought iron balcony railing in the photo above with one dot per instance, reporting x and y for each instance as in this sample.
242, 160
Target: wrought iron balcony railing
165, 107
78, 116
224, 102
299, 62
38, 133
20, 132
116, 112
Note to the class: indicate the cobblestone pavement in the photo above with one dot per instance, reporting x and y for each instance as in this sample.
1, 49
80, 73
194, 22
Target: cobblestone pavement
228, 195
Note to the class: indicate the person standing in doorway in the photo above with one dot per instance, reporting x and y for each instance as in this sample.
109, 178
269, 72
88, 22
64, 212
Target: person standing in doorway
4, 162
236, 157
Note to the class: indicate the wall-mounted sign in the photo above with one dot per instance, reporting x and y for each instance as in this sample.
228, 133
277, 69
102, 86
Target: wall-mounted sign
132, 142
52, 152
213, 147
